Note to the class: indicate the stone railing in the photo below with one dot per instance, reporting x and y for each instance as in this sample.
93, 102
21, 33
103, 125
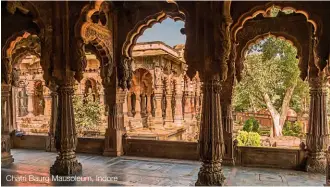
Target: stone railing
161, 149
38, 142
271, 157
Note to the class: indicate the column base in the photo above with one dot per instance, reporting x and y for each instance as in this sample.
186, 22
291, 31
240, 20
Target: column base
113, 143
50, 144
112, 153
66, 164
6, 159
316, 162
210, 174
228, 162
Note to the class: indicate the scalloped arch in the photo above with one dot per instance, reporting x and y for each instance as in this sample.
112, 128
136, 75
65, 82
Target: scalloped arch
283, 36
263, 9
148, 22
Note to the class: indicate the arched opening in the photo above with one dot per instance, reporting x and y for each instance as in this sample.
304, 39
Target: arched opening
158, 91
89, 101
271, 101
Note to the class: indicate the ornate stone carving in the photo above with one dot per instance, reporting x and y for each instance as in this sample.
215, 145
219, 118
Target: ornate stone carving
65, 135
125, 73
210, 141
79, 58
318, 131
6, 157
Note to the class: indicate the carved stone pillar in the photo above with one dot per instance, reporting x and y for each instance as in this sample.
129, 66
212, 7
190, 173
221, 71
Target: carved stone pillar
187, 106
30, 103
6, 157
227, 124
178, 117
318, 131
210, 139
158, 119
169, 114
138, 107
144, 114
328, 168
48, 104
129, 104
53, 121
65, 135
113, 138
149, 100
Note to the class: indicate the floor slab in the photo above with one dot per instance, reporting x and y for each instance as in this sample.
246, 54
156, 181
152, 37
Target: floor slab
31, 167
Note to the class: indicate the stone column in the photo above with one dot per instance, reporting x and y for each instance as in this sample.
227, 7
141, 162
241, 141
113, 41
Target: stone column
149, 100
14, 109
6, 157
227, 124
318, 131
114, 133
210, 139
65, 134
178, 117
129, 104
187, 106
328, 168
138, 107
158, 119
144, 116
30, 103
48, 104
53, 121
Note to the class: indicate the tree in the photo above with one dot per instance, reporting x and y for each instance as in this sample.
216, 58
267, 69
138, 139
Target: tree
87, 113
271, 80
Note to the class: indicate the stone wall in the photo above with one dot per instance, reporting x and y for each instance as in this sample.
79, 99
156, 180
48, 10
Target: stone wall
161, 149
270, 157
38, 142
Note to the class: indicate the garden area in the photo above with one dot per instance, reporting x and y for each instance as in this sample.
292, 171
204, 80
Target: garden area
271, 101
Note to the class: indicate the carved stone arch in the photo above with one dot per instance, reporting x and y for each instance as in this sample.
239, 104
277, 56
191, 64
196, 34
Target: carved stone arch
241, 51
99, 36
16, 47
146, 23
263, 9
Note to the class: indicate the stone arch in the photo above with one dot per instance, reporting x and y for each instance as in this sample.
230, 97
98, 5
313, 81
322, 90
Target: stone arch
17, 47
145, 80
90, 30
146, 23
264, 9
284, 36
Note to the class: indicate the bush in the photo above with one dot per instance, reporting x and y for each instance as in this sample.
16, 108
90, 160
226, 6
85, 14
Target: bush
87, 114
251, 125
248, 138
292, 129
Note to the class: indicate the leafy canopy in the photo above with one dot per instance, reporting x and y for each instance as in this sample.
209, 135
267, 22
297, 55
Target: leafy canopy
270, 67
87, 113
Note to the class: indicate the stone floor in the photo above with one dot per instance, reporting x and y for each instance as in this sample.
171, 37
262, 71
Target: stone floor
31, 167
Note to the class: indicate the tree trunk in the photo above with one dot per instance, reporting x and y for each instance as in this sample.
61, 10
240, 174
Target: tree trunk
275, 116
279, 119
286, 104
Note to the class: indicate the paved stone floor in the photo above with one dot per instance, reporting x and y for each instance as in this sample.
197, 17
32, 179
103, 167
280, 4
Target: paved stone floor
31, 167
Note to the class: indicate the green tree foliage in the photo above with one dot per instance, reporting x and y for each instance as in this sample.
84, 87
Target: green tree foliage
271, 80
292, 129
87, 113
248, 138
251, 125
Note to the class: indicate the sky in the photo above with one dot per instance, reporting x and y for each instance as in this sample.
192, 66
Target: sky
168, 31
